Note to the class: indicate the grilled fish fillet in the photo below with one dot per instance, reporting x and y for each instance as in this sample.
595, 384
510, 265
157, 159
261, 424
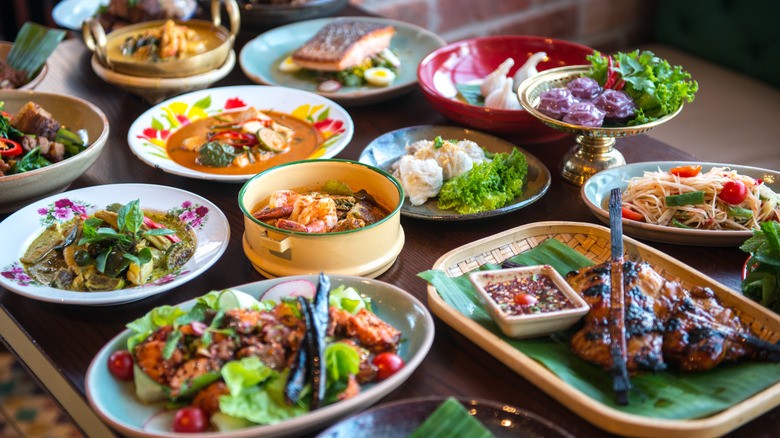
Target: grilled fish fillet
342, 44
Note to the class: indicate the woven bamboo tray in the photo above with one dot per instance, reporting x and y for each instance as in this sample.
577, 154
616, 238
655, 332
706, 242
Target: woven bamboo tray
593, 242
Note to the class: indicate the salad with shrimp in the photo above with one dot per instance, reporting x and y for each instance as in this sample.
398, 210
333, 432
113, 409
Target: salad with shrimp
232, 361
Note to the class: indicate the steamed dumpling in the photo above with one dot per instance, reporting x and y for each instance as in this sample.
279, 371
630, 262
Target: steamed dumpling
421, 179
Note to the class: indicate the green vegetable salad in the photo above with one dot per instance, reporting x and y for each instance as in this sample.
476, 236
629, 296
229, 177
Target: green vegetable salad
655, 86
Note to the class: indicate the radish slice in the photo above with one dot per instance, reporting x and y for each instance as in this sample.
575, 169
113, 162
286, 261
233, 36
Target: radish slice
290, 289
329, 86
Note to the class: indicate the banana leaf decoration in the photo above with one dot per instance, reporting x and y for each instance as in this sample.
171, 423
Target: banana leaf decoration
32, 46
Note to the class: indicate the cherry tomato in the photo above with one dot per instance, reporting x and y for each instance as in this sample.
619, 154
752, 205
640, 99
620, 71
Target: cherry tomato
686, 171
733, 192
387, 364
524, 299
190, 420
120, 365
631, 214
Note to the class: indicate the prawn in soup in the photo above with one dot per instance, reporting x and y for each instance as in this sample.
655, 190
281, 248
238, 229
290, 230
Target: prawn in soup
242, 142
329, 208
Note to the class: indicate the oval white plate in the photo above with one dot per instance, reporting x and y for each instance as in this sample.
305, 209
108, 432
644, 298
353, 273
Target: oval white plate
595, 192
212, 233
147, 134
116, 403
260, 58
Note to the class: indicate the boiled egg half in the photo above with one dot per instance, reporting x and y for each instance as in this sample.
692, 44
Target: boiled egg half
379, 76
288, 66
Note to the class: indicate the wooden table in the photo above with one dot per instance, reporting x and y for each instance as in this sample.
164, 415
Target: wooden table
57, 342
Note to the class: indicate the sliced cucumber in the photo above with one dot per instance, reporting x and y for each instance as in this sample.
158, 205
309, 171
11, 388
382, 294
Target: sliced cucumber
271, 140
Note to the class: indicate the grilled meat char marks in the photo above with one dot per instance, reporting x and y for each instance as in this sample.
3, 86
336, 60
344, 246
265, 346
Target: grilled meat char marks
665, 323
644, 334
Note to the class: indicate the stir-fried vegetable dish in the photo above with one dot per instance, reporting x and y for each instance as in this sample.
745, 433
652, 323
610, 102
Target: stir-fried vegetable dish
120, 246
32, 139
169, 41
234, 361
330, 208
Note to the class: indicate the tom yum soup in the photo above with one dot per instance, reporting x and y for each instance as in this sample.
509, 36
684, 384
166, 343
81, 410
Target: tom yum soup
242, 142
327, 208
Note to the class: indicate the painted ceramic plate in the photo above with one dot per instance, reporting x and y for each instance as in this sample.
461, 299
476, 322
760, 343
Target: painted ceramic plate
69, 14
595, 193
116, 403
209, 224
260, 58
147, 135
403, 417
383, 151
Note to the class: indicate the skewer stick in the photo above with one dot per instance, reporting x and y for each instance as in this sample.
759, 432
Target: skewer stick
617, 324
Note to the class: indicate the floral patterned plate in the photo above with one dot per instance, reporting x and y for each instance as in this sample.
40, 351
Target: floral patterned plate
212, 233
148, 133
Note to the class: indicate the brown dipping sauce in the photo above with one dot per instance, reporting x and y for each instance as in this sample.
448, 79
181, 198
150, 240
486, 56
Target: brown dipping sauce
305, 140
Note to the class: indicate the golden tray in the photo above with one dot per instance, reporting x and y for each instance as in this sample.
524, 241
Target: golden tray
594, 150
593, 241
219, 44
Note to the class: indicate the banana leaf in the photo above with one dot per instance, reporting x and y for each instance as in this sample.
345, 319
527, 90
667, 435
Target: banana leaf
33, 45
669, 394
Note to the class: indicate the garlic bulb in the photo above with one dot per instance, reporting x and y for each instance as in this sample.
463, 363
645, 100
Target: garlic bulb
503, 98
528, 69
496, 78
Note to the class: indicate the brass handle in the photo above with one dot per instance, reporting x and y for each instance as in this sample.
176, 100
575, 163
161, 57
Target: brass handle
234, 16
95, 38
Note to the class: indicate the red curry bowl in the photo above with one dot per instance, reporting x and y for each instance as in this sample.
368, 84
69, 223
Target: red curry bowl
465, 60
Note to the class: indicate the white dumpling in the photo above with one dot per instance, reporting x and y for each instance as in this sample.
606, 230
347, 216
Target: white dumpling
476, 153
528, 69
421, 179
496, 78
412, 148
453, 160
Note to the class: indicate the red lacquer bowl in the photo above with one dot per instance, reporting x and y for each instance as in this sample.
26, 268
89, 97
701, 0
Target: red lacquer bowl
466, 60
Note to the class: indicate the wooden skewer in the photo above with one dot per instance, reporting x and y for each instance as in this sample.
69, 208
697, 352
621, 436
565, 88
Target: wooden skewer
621, 383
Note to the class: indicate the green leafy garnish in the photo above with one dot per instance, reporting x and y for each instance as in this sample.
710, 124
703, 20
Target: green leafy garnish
216, 154
656, 87
762, 283
121, 242
30, 161
487, 186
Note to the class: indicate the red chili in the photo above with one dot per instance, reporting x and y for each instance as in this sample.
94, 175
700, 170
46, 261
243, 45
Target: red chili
234, 138
9, 148
610, 74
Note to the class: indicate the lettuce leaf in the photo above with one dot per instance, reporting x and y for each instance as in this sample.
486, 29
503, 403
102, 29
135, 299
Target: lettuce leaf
262, 404
656, 87
348, 299
341, 361
487, 186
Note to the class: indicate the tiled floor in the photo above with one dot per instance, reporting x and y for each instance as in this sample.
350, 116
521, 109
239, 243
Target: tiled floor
26, 411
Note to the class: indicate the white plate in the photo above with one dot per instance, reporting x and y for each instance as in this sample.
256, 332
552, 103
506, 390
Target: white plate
212, 233
260, 58
595, 193
71, 13
147, 133
116, 403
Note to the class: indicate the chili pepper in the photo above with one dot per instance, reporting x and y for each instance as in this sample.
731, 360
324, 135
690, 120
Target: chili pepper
610, 74
234, 138
686, 171
9, 148
155, 226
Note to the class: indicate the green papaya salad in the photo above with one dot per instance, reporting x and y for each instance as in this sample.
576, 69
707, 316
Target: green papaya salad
232, 361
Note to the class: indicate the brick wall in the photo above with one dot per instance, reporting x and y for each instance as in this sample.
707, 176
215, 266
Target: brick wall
606, 25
